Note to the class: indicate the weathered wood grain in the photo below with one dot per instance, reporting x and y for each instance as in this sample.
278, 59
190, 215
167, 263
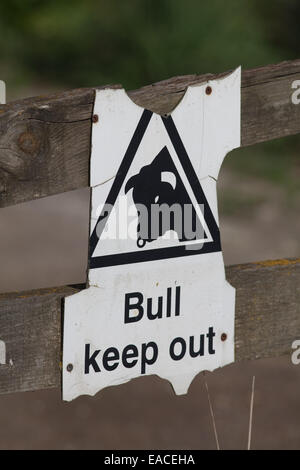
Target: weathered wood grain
30, 326
44, 146
267, 322
267, 317
45, 141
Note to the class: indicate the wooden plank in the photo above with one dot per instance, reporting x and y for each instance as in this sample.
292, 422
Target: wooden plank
44, 146
267, 317
267, 322
45, 141
30, 327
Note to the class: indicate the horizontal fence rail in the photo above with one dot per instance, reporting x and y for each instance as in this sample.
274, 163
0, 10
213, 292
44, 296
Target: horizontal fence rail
267, 322
45, 141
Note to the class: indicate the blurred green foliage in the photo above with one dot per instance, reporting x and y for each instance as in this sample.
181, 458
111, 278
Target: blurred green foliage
277, 161
133, 42
74, 43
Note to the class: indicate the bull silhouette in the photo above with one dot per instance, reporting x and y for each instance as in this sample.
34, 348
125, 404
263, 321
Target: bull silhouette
156, 187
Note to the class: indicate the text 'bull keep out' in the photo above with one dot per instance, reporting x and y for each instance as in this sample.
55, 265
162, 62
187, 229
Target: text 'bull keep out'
146, 354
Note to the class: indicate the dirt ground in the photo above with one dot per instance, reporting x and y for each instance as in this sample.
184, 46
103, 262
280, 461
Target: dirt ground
44, 243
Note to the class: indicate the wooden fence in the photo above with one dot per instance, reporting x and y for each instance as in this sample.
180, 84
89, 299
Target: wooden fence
45, 149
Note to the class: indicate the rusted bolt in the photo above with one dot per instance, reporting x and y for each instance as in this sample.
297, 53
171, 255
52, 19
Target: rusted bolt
208, 90
223, 337
69, 367
95, 118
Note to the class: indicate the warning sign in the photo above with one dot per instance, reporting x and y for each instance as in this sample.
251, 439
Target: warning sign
167, 196
157, 302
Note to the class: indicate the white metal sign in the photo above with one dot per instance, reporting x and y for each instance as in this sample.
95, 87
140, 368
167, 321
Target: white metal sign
158, 301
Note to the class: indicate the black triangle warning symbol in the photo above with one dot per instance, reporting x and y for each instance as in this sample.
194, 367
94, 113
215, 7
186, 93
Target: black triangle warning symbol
156, 185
